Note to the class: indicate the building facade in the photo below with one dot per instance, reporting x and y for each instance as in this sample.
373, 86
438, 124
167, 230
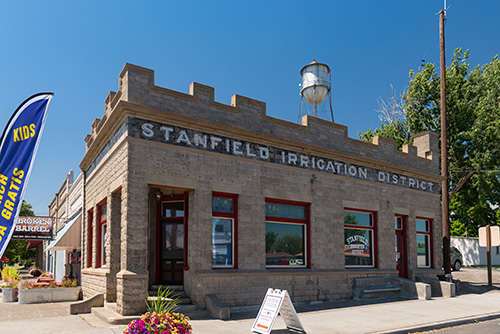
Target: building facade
62, 254
225, 200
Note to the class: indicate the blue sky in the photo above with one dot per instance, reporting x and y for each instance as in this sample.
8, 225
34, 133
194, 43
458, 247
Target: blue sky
250, 48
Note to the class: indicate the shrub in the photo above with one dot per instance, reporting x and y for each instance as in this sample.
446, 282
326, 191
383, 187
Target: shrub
34, 271
24, 285
68, 282
47, 274
10, 276
168, 323
164, 302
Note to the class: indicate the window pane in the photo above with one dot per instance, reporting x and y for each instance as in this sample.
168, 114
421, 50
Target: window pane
422, 225
104, 243
174, 237
172, 209
423, 250
358, 247
104, 212
285, 211
222, 242
358, 218
285, 244
222, 204
398, 223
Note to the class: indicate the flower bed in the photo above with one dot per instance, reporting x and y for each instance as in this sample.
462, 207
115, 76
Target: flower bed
168, 323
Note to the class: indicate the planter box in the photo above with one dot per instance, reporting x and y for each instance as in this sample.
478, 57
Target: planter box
65, 294
48, 295
9, 295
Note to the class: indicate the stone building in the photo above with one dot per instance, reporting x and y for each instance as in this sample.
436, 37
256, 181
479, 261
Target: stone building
225, 200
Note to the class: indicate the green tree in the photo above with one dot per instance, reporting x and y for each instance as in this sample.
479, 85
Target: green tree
473, 106
270, 239
288, 243
16, 251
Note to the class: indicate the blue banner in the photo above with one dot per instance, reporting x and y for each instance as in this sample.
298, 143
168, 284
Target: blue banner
18, 147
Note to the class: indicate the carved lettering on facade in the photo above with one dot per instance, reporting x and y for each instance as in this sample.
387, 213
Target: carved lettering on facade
208, 142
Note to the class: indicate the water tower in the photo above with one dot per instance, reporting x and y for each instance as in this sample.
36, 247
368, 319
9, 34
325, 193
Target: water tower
316, 86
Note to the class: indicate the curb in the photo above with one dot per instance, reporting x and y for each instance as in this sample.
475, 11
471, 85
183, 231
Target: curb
441, 325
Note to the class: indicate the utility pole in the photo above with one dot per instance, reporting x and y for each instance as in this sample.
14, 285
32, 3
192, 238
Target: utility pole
445, 206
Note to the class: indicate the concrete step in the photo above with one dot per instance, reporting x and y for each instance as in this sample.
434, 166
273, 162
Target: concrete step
93, 320
380, 292
198, 314
109, 316
110, 306
185, 308
179, 293
172, 287
182, 301
112, 317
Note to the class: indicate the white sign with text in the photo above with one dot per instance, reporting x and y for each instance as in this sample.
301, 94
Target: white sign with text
276, 301
495, 236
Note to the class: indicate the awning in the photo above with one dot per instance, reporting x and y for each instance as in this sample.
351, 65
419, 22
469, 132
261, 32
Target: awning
68, 238
32, 244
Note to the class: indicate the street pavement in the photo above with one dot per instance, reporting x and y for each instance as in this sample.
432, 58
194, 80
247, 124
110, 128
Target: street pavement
389, 317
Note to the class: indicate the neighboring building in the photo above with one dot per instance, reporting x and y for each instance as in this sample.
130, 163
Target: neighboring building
225, 200
63, 252
473, 254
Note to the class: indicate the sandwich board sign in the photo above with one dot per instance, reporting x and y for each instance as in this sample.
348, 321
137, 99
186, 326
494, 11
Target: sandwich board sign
276, 301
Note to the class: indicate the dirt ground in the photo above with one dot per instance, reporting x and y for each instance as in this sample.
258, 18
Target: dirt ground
475, 280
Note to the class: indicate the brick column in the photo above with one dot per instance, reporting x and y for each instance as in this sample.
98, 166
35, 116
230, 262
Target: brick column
113, 239
132, 279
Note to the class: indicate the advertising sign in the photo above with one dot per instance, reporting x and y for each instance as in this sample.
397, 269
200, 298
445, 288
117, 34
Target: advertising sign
276, 301
33, 228
18, 147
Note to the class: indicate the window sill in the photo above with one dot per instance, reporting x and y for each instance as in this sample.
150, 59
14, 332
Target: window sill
96, 271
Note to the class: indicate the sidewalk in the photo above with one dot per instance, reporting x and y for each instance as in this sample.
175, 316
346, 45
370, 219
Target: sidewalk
394, 317
338, 317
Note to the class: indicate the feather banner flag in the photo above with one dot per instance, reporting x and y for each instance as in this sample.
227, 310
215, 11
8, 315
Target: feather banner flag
18, 147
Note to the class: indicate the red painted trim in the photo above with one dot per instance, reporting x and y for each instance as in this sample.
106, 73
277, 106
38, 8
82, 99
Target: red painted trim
186, 229
374, 235
431, 241
359, 210
375, 239
159, 219
404, 234
233, 216
171, 198
100, 223
90, 235
306, 222
284, 201
308, 235
158, 240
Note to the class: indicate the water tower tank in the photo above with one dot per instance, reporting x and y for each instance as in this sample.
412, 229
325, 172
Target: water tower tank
315, 83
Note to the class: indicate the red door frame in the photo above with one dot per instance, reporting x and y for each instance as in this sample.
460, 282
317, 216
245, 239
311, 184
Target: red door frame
403, 268
174, 198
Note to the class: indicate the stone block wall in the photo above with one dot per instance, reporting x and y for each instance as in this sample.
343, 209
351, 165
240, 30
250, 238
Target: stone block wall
125, 167
93, 284
137, 86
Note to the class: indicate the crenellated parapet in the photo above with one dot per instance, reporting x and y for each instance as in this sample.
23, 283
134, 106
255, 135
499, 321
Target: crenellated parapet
245, 115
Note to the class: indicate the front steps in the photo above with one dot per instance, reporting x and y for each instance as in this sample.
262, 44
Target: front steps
185, 306
108, 312
387, 288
